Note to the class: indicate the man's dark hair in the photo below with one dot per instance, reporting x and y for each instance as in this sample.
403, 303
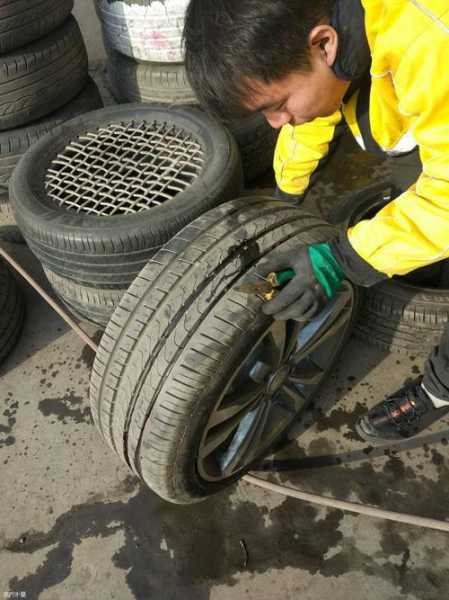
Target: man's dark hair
228, 42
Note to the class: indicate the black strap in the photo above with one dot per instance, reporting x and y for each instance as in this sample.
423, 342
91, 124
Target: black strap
353, 55
362, 113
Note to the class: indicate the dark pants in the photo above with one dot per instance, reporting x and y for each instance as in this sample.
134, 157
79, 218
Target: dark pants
436, 372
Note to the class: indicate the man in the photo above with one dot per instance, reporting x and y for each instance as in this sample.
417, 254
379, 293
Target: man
379, 65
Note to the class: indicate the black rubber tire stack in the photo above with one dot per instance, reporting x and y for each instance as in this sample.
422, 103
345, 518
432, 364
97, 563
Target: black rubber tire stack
43, 82
91, 258
133, 77
12, 309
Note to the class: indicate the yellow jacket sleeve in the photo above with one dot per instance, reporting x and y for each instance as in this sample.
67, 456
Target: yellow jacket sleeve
299, 151
413, 230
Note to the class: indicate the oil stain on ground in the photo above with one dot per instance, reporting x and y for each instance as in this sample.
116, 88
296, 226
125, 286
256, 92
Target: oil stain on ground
8, 420
204, 541
67, 408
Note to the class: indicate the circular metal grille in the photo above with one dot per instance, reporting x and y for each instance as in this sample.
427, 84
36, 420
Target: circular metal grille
124, 168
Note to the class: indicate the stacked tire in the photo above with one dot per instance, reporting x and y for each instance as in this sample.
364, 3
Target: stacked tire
43, 82
145, 64
99, 196
12, 309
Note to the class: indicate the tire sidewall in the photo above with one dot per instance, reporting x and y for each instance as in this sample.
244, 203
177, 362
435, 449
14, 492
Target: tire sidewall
36, 214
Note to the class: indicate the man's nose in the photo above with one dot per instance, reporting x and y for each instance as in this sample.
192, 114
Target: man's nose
278, 119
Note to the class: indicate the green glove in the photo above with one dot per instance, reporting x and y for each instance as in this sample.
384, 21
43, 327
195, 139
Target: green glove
318, 277
326, 269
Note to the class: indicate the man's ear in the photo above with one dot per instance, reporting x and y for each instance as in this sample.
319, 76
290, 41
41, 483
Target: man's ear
323, 42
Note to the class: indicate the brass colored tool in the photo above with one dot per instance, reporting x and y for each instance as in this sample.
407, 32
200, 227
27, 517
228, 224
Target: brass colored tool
269, 286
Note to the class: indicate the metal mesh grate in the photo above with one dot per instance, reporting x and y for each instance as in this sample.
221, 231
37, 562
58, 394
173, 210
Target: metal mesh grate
124, 168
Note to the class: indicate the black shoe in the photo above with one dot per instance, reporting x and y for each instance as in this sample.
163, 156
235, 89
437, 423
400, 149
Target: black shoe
402, 415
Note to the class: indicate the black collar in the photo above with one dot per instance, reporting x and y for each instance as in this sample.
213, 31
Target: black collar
354, 56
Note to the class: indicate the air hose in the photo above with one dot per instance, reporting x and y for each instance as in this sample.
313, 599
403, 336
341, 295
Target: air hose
360, 509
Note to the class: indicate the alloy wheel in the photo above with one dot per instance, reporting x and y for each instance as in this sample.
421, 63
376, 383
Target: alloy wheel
272, 387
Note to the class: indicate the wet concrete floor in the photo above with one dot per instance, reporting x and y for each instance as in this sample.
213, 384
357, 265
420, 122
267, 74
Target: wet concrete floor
74, 523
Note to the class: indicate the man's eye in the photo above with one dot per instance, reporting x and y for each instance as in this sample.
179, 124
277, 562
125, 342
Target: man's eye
276, 108
281, 106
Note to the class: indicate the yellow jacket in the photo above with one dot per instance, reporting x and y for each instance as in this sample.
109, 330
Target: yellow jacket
408, 106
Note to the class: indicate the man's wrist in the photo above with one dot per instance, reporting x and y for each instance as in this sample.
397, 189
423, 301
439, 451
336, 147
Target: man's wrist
293, 198
357, 270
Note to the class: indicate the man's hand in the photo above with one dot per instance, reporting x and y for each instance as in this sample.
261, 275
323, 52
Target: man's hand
318, 278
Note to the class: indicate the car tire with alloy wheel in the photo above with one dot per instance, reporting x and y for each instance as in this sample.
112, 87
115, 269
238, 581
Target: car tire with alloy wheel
192, 383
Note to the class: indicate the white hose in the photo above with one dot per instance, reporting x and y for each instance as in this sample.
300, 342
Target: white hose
76, 328
360, 509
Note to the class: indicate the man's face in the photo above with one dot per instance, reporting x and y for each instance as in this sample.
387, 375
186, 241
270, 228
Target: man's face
301, 96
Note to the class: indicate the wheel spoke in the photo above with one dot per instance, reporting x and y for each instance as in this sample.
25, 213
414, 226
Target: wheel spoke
293, 396
294, 328
225, 427
216, 439
307, 373
277, 338
239, 405
246, 441
333, 326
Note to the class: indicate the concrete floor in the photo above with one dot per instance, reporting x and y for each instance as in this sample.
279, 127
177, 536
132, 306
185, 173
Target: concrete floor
74, 523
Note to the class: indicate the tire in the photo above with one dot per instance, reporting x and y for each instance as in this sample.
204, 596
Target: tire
144, 30
131, 81
403, 314
177, 335
12, 310
92, 305
9, 232
14, 143
23, 21
256, 141
107, 252
43, 76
